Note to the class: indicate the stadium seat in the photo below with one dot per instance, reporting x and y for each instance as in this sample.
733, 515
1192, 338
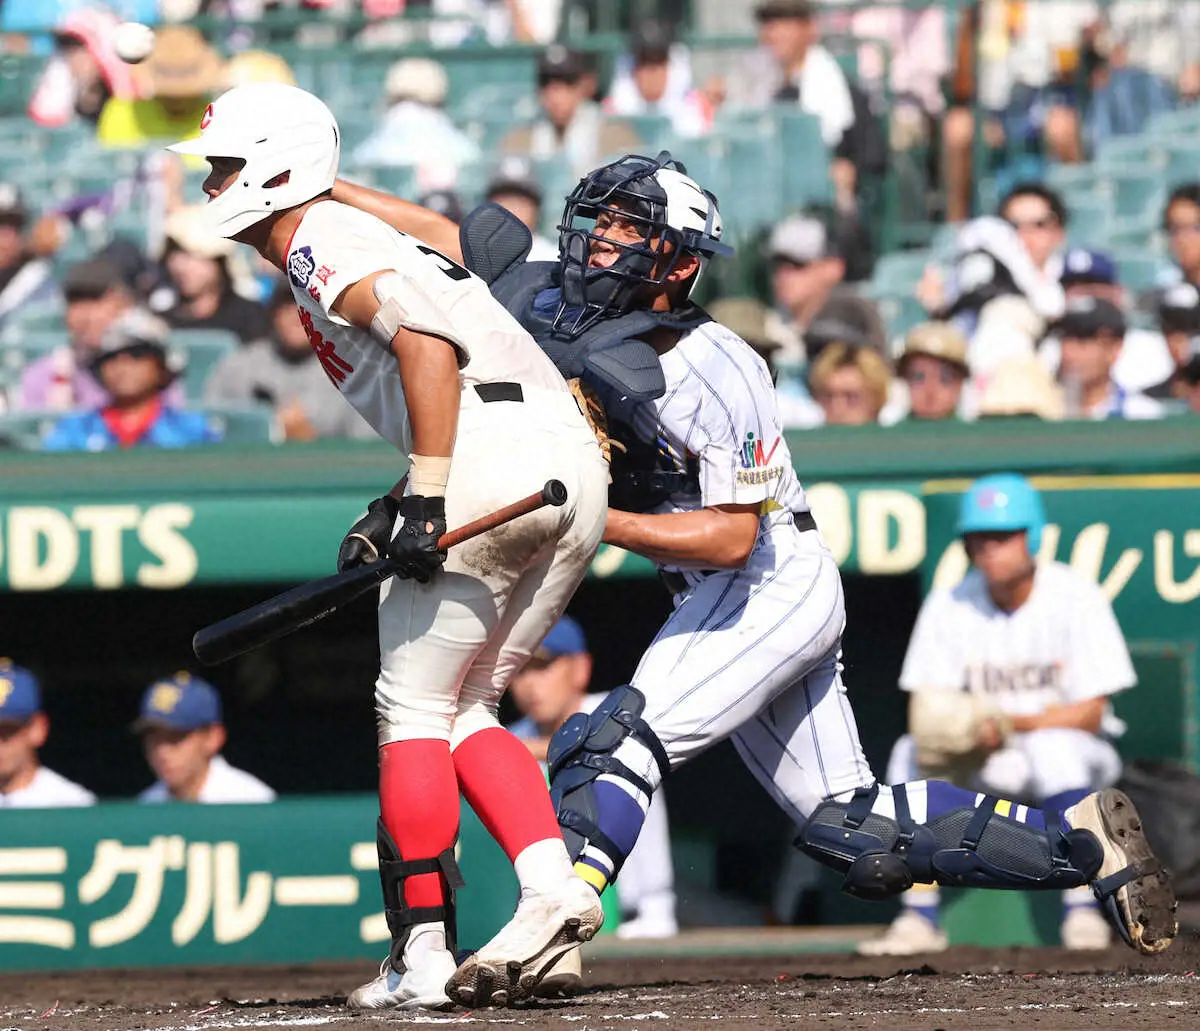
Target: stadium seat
204, 349
24, 431
245, 425
897, 274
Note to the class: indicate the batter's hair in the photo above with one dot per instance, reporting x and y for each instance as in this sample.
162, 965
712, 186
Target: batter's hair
1034, 189
870, 364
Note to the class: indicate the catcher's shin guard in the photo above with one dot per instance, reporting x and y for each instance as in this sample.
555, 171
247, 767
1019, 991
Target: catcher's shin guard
581, 751
393, 872
965, 847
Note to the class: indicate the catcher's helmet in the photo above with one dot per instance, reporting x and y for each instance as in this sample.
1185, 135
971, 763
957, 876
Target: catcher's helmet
1003, 502
289, 141
663, 202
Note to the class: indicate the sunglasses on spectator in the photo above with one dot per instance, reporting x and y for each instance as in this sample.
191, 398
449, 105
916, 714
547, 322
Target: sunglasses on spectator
945, 375
1045, 222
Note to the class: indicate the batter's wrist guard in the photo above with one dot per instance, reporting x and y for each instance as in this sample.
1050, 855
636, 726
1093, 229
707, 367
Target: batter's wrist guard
393, 872
965, 847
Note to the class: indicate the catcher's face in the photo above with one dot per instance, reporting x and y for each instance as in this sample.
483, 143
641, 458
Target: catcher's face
1001, 556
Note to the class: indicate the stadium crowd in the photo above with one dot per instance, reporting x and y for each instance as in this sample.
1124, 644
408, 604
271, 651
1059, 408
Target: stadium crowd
124, 321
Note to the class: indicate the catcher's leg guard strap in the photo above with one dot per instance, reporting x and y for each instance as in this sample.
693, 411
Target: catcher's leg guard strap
581, 751
394, 871
965, 847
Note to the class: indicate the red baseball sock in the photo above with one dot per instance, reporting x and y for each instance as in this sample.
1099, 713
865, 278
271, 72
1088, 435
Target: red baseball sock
504, 785
418, 800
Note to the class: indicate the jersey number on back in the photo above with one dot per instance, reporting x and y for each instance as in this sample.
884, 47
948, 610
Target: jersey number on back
450, 268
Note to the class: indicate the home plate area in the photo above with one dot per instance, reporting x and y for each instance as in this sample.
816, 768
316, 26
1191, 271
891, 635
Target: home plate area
766, 980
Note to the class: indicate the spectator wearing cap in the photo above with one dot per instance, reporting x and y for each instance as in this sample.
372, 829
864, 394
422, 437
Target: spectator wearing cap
446, 203
1179, 321
934, 367
135, 369
808, 270
1145, 359
182, 731
202, 294
515, 187
571, 128
791, 67
552, 687
283, 371
415, 130
177, 81
96, 296
26, 278
655, 78
850, 384
1091, 332
1021, 387
24, 782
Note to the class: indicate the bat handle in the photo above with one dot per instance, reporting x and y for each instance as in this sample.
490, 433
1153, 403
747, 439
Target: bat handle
553, 493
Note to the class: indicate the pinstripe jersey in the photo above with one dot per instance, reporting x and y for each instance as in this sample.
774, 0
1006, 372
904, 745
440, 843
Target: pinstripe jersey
719, 416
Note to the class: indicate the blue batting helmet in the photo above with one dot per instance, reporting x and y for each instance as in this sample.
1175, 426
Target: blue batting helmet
1005, 501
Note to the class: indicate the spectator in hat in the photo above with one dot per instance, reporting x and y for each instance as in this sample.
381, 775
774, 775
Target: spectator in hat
791, 67
182, 733
515, 187
24, 782
96, 296
202, 295
446, 203
1092, 332
283, 371
1021, 387
1145, 359
571, 128
552, 687
26, 278
808, 270
1179, 321
134, 369
83, 72
934, 367
850, 384
179, 78
415, 130
655, 78
249, 66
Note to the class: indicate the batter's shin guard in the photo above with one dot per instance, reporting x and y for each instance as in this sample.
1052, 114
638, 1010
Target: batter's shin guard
393, 872
964, 847
581, 751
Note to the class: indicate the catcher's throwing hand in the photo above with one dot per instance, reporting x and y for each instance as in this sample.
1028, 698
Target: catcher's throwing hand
415, 548
368, 539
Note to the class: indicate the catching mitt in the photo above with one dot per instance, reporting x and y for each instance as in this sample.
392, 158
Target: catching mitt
593, 411
947, 728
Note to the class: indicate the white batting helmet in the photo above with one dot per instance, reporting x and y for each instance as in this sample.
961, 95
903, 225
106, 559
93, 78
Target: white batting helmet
275, 129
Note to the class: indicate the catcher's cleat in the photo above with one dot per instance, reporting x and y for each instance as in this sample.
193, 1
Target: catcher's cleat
564, 979
420, 988
910, 934
546, 925
1132, 886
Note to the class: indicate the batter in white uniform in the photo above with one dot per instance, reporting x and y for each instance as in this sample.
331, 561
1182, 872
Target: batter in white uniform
420, 348
1041, 645
752, 649
24, 782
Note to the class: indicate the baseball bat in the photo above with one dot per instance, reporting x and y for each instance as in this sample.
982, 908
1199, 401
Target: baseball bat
303, 605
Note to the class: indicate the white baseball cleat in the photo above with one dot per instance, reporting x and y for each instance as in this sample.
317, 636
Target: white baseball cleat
1084, 929
546, 925
655, 918
909, 935
421, 988
1134, 890
564, 978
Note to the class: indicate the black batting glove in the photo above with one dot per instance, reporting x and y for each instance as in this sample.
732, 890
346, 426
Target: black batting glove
414, 549
368, 539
